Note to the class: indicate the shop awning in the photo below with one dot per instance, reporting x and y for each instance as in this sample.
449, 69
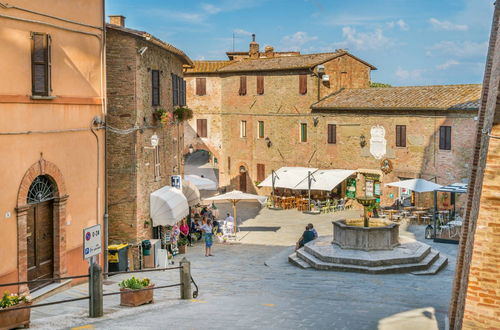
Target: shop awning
325, 179
459, 188
287, 177
191, 193
416, 185
167, 206
201, 183
370, 171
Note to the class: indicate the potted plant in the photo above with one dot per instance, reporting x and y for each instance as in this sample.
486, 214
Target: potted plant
130, 296
14, 318
183, 113
182, 244
162, 115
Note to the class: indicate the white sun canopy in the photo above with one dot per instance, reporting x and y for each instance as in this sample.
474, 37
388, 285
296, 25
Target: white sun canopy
237, 196
201, 183
191, 193
287, 177
417, 185
167, 206
325, 179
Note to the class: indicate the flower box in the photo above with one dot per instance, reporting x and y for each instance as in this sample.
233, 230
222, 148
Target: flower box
11, 318
133, 298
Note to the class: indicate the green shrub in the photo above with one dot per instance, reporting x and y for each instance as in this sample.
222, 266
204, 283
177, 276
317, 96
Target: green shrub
134, 283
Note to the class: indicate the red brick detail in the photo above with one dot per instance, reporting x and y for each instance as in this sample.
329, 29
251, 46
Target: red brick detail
42, 167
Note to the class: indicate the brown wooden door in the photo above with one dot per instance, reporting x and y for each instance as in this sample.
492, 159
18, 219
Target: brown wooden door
40, 237
243, 182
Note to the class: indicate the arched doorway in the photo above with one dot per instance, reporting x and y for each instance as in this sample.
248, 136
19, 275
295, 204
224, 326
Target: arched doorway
243, 179
40, 230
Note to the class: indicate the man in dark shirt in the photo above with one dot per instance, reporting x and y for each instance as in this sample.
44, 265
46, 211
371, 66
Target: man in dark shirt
306, 237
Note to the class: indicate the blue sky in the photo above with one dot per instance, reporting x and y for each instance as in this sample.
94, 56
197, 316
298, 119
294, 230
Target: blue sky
411, 42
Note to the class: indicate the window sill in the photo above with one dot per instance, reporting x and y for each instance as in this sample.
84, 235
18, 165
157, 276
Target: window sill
42, 97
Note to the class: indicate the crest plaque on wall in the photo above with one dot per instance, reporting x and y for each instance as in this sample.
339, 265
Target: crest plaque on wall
378, 143
386, 166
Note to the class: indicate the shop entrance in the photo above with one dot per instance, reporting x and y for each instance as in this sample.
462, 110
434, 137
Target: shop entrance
40, 231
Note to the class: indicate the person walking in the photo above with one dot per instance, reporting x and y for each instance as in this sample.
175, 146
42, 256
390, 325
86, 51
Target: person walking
229, 224
208, 235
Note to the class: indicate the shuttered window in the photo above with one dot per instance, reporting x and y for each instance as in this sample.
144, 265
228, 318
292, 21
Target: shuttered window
332, 133
178, 90
40, 64
201, 127
261, 129
261, 172
175, 90
243, 85
303, 84
303, 132
201, 86
229, 163
183, 98
445, 137
400, 135
260, 85
155, 87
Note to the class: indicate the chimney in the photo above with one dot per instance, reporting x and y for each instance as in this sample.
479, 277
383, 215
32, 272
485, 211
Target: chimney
254, 48
269, 51
117, 20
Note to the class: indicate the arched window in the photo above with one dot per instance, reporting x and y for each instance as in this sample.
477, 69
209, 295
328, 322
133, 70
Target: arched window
41, 190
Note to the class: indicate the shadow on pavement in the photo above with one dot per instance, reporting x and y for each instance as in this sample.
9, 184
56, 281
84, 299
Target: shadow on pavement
275, 229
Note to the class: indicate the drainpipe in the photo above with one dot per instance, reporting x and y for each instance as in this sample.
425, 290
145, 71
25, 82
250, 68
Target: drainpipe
105, 113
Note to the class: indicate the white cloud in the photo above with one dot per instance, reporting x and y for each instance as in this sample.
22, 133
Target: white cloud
447, 64
460, 49
447, 25
399, 23
364, 40
296, 41
210, 9
409, 75
242, 32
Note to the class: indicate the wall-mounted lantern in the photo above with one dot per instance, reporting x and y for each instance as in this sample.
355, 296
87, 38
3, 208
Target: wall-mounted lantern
268, 142
362, 141
191, 149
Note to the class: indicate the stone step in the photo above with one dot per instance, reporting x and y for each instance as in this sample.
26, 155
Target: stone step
409, 252
439, 264
397, 268
294, 260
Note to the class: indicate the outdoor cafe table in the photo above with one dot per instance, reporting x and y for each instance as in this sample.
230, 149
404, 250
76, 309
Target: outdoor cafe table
419, 215
391, 213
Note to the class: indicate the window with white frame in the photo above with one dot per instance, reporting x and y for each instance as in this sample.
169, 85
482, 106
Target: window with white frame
243, 129
157, 162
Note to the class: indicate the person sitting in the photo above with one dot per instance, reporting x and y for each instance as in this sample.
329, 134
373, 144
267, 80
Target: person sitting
311, 228
306, 237
184, 232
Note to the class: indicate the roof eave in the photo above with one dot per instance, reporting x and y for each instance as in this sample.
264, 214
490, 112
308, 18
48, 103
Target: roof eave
315, 107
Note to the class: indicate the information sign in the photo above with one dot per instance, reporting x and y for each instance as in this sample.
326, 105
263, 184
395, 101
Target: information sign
92, 241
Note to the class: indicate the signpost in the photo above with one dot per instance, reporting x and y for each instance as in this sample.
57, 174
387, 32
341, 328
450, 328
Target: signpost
92, 247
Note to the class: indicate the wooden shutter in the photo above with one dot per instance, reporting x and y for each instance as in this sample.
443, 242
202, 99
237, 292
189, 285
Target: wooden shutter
201, 86
261, 172
303, 84
201, 127
40, 64
400, 135
243, 85
260, 85
228, 163
183, 92
445, 138
155, 87
332, 133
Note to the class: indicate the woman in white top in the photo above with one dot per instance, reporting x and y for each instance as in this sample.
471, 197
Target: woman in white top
207, 230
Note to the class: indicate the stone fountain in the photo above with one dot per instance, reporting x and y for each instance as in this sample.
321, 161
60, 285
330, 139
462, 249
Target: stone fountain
368, 245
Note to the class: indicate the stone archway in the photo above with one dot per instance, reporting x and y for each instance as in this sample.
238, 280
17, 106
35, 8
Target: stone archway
42, 167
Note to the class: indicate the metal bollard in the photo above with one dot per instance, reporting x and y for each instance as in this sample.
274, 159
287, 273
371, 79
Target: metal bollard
185, 274
95, 290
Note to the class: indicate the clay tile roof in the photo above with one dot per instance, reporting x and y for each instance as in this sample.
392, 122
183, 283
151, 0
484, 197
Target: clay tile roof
284, 62
152, 39
445, 97
207, 66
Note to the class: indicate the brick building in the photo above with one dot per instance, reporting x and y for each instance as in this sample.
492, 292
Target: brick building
52, 105
264, 110
476, 292
144, 78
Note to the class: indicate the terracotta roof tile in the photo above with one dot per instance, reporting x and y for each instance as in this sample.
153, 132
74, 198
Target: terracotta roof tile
150, 38
207, 66
445, 97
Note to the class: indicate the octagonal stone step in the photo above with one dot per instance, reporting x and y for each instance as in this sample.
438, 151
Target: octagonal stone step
294, 260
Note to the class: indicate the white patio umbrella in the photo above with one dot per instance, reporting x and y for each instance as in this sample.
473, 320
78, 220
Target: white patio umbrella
191, 193
417, 185
167, 206
234, 197
201, 183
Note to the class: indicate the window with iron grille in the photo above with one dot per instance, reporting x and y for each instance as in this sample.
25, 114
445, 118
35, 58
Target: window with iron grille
155, 83
303, 132
332, 133
41, 64
400, 135
445, 137
261, 129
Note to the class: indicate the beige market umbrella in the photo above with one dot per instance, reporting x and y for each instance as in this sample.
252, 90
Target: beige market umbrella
234, 197
191, 192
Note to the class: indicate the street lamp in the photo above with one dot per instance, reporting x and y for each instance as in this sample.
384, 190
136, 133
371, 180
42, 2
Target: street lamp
191, 149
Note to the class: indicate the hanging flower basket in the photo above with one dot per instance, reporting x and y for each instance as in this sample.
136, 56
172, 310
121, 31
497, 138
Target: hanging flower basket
130, 296
10, 318
183, 113
163, 116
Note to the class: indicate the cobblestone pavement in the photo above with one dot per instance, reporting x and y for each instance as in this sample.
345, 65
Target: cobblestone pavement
251, 285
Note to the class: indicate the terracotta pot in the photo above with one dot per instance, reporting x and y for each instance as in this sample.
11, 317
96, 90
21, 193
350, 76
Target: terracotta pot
15, 318
132, 298
182, 249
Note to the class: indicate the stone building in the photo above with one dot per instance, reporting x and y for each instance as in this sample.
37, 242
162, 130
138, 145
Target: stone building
52, 105
144, 79
475, 300
266, 110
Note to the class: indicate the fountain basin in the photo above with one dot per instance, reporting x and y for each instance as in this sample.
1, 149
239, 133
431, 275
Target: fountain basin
380, 235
